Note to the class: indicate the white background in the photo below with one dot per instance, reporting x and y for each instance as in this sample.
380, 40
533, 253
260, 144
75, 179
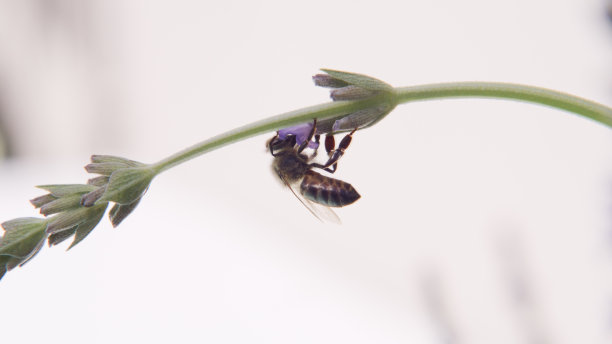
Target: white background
481, 221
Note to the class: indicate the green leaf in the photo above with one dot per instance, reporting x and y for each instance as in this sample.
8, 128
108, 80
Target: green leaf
360, 80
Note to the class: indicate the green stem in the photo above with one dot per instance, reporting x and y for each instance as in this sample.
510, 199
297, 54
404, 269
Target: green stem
564, 101
321, 111
577, 105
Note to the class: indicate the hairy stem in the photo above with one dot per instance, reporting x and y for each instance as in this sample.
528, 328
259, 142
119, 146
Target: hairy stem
400, 95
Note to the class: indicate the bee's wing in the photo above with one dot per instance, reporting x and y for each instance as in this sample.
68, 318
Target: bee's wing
321, 212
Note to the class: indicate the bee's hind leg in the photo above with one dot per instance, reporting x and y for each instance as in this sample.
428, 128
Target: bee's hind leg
312, 133
334, 154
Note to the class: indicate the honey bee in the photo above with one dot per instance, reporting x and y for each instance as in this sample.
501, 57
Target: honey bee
316, 191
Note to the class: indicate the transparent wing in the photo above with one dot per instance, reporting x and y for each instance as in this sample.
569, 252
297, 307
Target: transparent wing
321, 212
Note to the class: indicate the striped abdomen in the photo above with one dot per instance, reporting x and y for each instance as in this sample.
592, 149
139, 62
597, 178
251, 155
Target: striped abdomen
327, 191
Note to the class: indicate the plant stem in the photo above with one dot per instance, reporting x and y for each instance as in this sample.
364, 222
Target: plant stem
321, 111
400, 95
564, 101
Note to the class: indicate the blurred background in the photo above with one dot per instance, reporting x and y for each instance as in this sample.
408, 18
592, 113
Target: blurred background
481, 221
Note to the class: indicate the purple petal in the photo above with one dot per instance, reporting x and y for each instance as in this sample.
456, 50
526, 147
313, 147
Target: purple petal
301, 132
313, 145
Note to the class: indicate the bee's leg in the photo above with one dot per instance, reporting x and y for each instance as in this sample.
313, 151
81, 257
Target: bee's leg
307, 158
317, 138
273, 141
275, 144
330, 143
330, 146
304, 144
335, 154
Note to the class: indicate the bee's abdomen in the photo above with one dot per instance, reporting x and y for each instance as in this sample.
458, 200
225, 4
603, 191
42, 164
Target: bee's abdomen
328, 191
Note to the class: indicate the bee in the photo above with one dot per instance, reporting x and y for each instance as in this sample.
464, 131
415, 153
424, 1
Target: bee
296, 169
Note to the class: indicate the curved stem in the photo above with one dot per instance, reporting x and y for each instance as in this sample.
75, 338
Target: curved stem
560, 100
400, 95
321, 111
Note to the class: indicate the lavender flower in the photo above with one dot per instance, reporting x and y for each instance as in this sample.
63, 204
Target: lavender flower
301, 133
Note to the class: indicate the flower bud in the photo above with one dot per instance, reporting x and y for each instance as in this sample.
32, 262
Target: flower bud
98, 181
59, 237
78, 222
127, 185
362, 118
351, 92
81, 219
93, 217
122, 181
105, 165
359, 80
60, 190
61, 204
326, 80
89, 199
119, 212
42, 200
22, 239
61, 197
351, 87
